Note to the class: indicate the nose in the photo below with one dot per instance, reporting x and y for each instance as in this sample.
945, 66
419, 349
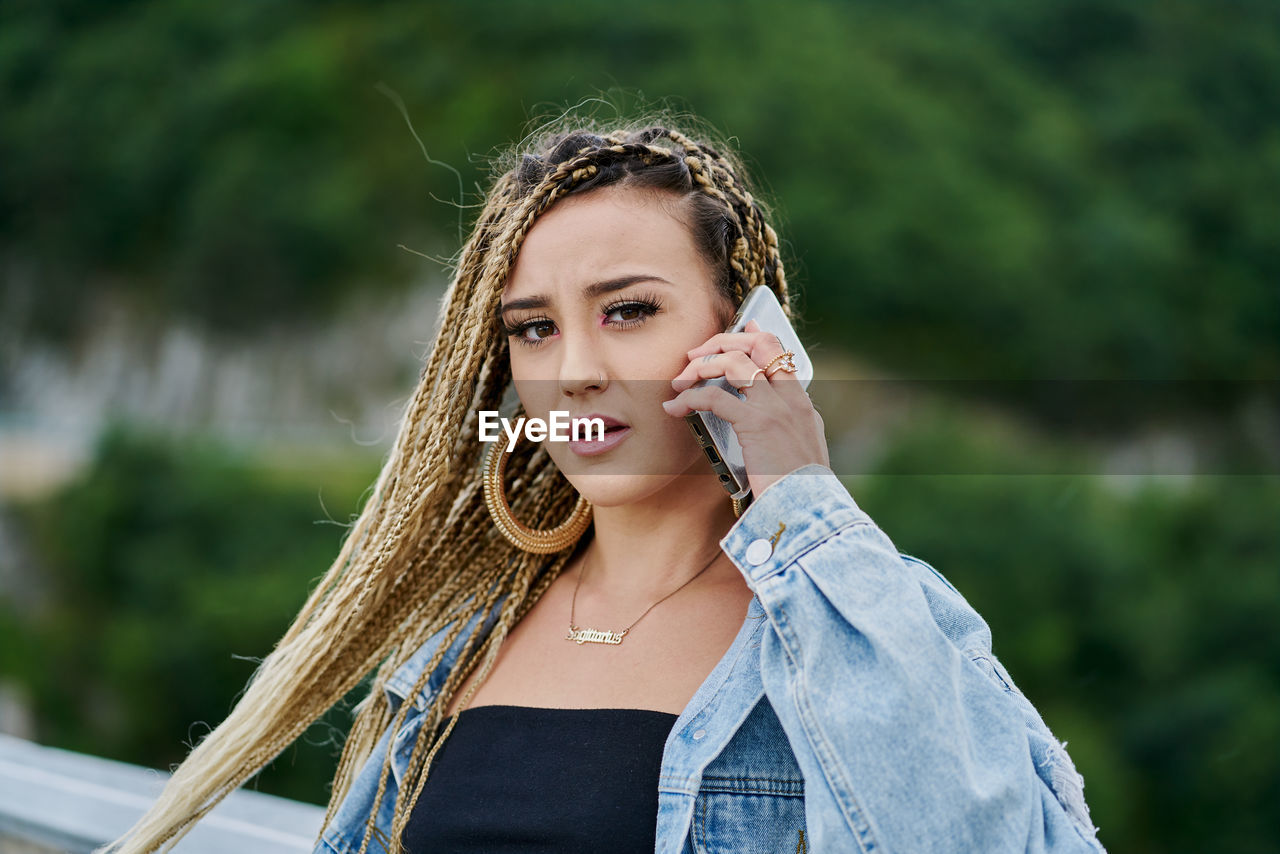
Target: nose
575, 387
581, 369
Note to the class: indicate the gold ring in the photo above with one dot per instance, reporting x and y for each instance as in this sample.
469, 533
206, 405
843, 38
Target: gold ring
784, 356
758, 372
784, 362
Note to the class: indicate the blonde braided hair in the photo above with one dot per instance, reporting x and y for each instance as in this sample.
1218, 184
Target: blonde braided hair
423, 556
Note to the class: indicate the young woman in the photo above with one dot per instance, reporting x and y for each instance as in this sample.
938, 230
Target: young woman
581, 646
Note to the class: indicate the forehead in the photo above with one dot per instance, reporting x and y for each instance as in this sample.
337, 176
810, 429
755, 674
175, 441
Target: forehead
601, 234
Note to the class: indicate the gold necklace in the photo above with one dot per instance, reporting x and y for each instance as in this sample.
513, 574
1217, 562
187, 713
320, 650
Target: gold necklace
581, 636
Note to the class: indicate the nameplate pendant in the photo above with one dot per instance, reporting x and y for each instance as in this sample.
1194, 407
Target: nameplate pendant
581, 636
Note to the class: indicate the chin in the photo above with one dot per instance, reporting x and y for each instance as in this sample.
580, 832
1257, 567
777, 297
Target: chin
605, 488
617, 490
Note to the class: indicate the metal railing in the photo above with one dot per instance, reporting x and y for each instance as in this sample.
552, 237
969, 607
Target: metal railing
54, 800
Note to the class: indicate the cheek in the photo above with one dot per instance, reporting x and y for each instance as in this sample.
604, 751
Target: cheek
537, 396
676, 347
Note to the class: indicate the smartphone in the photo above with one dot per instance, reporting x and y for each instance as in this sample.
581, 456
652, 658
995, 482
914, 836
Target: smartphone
716, 435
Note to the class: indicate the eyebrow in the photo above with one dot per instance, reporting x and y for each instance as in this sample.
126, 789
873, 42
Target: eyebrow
591, 291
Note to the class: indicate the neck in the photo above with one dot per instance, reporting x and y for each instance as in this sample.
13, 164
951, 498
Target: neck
644, 550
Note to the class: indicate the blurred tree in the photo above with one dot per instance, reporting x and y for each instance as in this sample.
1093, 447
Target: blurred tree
171, 569
1024, 190
1140, 622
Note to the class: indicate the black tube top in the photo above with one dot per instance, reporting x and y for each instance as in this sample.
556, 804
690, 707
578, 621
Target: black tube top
524, 779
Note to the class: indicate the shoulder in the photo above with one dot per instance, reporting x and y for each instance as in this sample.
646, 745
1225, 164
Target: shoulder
810, 516
957, 619
407, 676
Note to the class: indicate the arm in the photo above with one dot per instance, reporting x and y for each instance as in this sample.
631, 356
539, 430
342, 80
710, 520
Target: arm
910, 735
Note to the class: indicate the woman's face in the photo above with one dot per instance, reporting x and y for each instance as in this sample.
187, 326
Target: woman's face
608, 294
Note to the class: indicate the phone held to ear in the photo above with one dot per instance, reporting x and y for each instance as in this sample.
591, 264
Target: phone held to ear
716, 435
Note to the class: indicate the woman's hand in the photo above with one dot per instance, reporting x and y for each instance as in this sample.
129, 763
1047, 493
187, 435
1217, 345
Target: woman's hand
776, 424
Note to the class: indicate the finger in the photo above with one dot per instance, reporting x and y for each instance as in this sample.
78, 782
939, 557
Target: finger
736, 367
707, 398
789, 389
780, 376
693, 371
760, 346
731, 341
752, 326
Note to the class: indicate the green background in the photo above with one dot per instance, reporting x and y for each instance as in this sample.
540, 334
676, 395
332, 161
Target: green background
1023, 191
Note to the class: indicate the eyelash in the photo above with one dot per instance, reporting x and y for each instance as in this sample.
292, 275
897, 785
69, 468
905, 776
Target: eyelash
648, 304
517, 332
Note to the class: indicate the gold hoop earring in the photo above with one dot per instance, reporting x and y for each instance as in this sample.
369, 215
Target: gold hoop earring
521, 536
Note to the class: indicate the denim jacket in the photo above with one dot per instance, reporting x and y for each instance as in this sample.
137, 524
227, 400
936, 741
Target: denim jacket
859, 709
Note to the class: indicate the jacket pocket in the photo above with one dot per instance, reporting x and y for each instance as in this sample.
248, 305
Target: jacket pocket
749, 816
751, 800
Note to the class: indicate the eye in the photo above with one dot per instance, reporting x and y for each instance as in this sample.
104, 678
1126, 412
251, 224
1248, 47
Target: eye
538, 330
631, 312
533, 332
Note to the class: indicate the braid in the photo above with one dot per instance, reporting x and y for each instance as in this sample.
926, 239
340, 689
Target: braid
423, 558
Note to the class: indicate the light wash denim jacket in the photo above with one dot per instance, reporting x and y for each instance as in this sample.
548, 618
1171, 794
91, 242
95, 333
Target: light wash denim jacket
859, 709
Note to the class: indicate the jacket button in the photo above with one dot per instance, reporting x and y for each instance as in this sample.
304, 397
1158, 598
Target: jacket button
699, 735
758, 552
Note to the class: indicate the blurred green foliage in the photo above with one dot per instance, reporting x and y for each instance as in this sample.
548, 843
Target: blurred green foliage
166, 573
1014, 189
1021, 190
1139, 618
1137, 614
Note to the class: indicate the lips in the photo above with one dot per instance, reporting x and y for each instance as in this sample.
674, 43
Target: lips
615, 432
610, 423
